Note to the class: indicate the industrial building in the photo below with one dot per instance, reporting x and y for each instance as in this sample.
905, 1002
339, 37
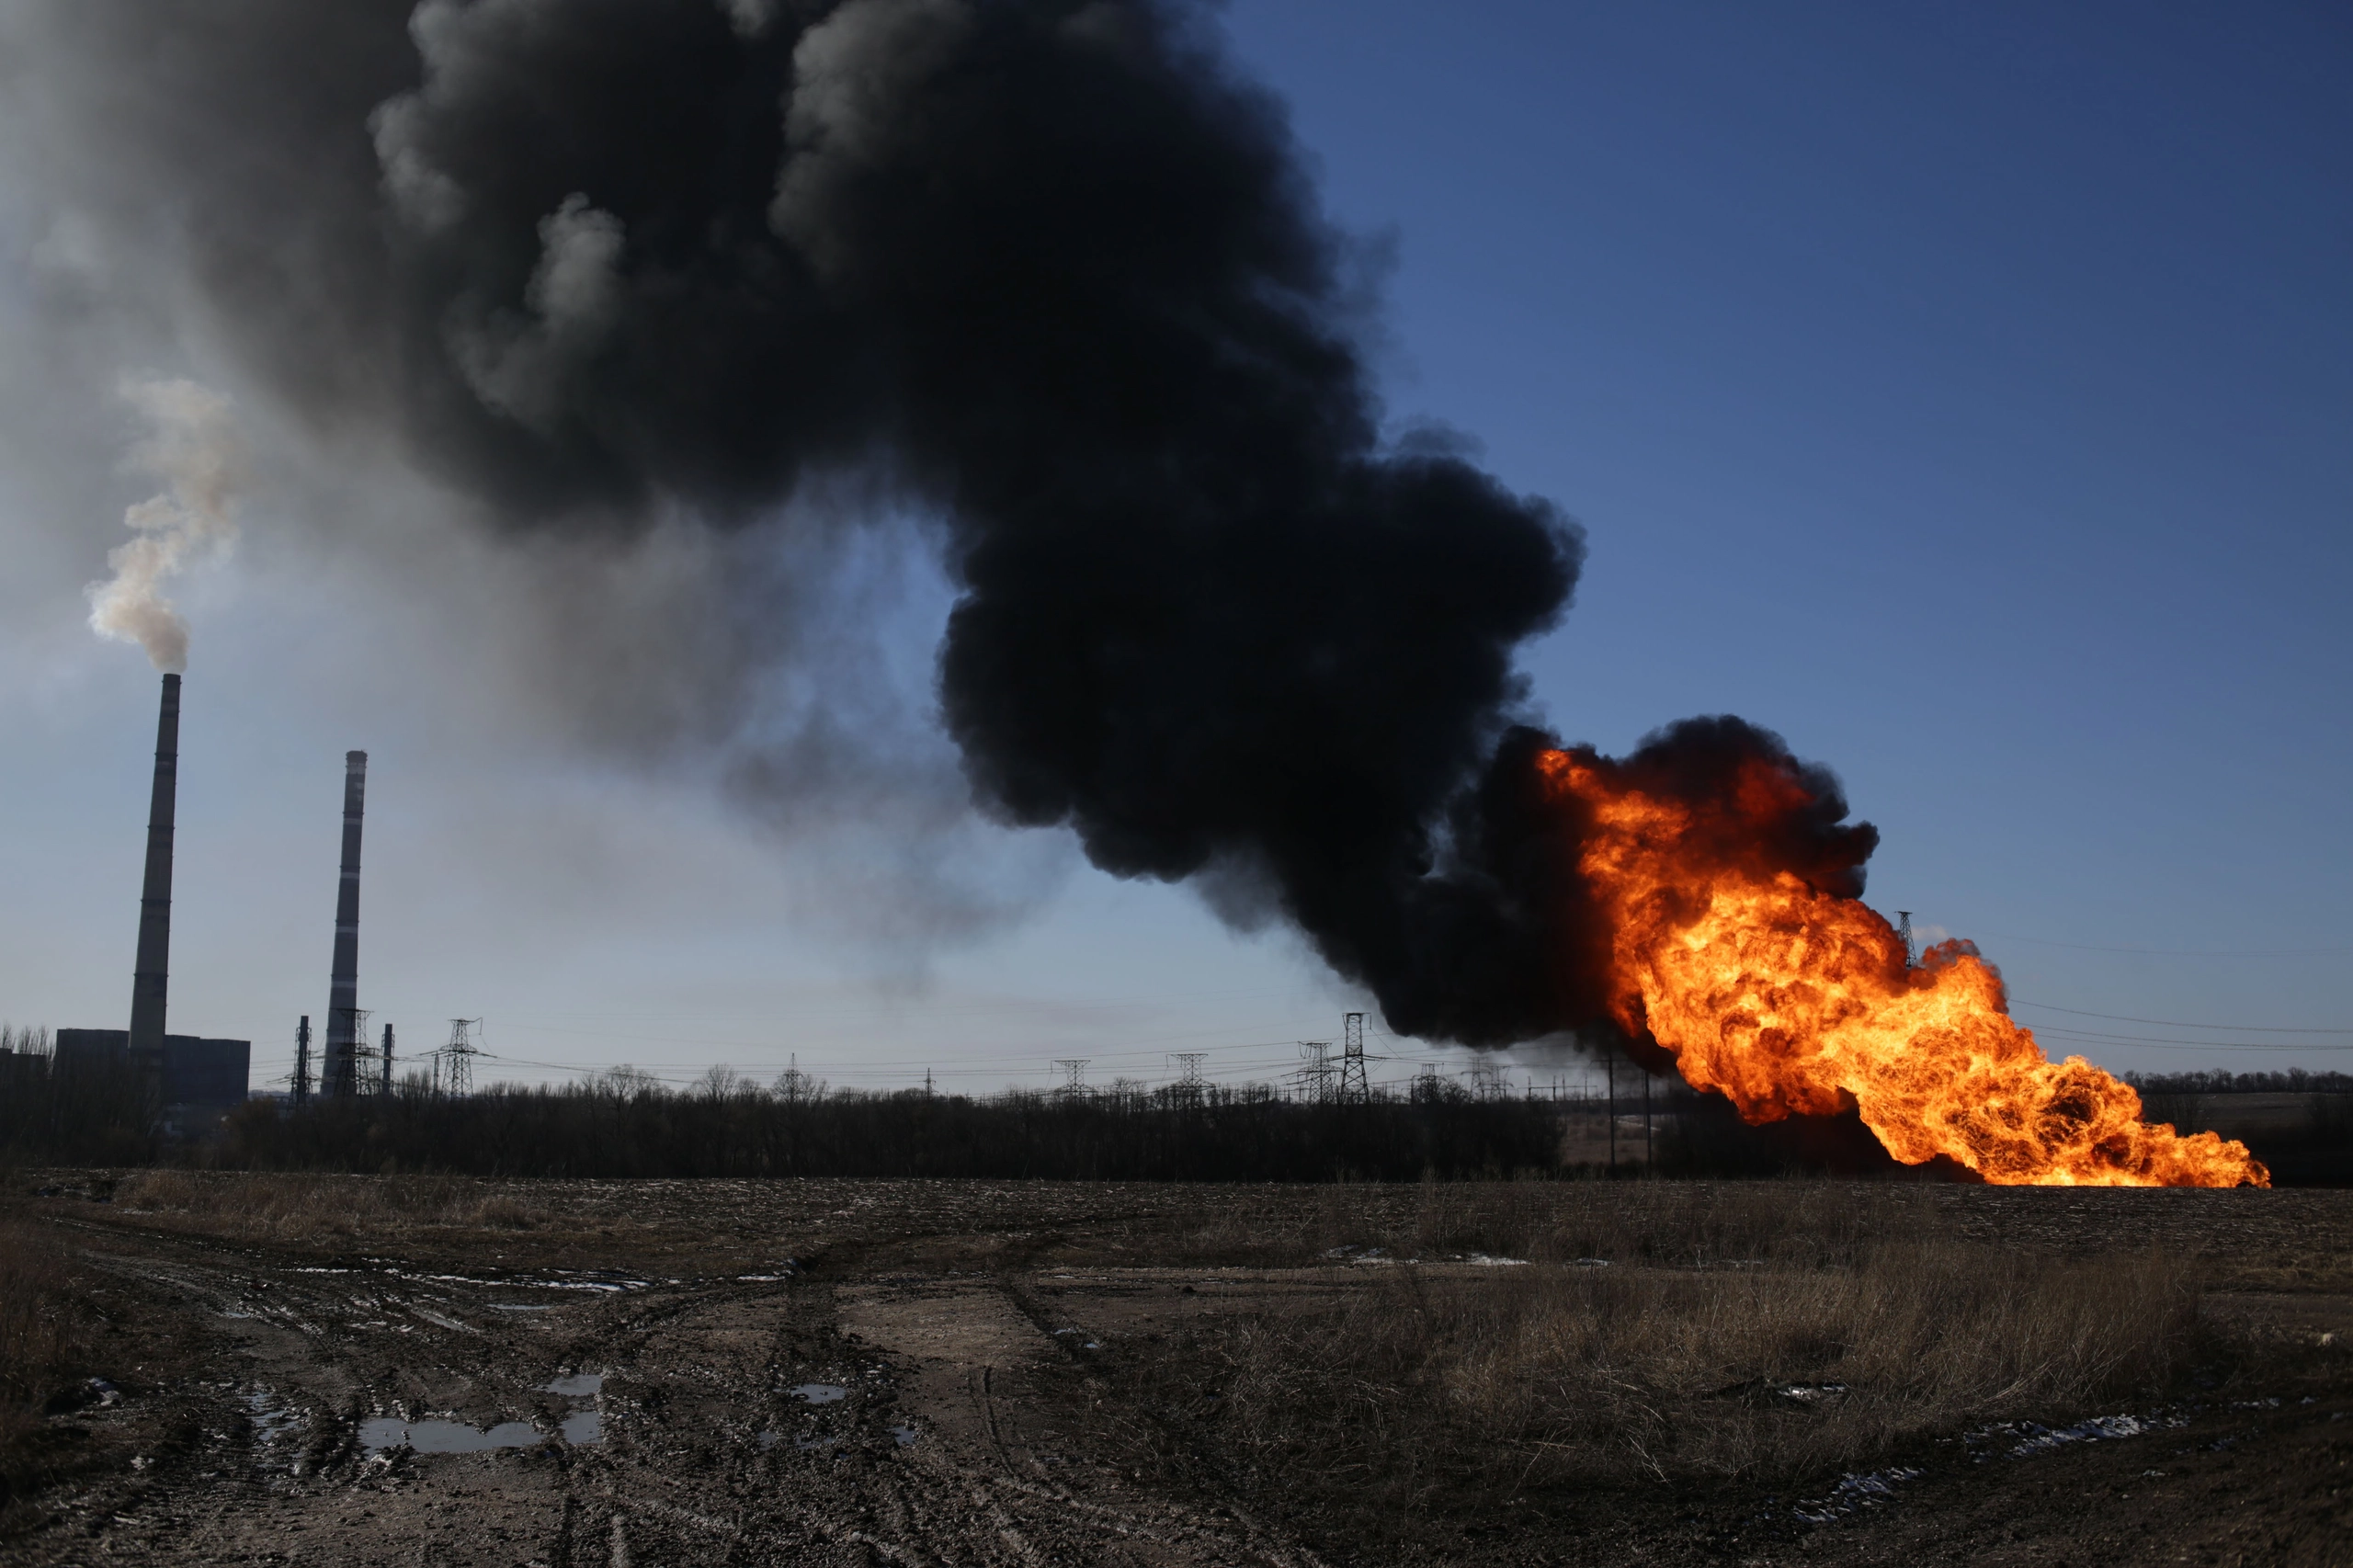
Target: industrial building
198, 1074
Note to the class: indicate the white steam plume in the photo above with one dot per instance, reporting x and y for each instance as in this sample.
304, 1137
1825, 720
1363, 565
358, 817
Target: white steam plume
195, 450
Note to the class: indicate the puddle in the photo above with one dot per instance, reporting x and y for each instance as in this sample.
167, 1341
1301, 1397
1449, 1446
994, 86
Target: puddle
445, 1437
2098, 1429
818, 1393
1855, 1492
516, 1307
270, 1419
583, 1427
1485, 1260
2030, 1439
905, 1434
769, 1439
580, 1385
554, 1280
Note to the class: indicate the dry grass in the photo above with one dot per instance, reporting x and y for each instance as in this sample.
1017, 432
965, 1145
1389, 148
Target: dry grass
1673, 1360
37, 1332
1667, 1222
40, 1343
303, 1208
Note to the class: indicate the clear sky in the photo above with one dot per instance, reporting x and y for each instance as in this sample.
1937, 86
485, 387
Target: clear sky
1965, 392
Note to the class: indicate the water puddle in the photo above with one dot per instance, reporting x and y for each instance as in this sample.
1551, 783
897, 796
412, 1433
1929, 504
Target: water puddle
599, 1280
1854, 1493
270, 1419
2038, 1440
905, 1434
435, 1437
516, 1307
445, 1437
818, 1393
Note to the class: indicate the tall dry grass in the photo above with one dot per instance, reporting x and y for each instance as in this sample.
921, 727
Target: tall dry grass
306, 1207
1669, 1222
1762, 1332
37, 1336
41, 1341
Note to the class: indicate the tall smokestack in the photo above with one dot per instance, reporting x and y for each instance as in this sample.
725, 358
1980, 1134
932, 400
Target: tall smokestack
342, 1073
151, 982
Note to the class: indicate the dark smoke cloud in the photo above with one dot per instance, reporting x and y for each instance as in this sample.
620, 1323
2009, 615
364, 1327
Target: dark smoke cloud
1050, 270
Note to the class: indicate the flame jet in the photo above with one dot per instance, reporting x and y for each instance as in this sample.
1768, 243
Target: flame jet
1773, 987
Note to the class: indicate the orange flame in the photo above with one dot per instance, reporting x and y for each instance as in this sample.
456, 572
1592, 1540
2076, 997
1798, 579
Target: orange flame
1792, 1001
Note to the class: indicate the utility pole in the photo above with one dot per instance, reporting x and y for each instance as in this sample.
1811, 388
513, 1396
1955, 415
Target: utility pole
1353, 1086
388, 1061
1646, 1121
1612, 1064
1911, 943
302, 1062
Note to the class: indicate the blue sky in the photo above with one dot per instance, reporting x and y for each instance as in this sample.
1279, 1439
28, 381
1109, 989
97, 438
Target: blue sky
1964, 393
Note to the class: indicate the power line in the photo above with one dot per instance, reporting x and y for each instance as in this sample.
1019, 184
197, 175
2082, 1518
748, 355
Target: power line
2177, 952
2176, 1023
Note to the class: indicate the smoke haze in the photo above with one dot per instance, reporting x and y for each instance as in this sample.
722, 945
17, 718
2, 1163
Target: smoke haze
1050, 274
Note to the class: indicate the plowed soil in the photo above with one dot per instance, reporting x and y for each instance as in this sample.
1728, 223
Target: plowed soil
837, 1372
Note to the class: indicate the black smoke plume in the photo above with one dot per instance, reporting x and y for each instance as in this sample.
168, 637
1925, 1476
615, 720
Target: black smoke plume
1050, 269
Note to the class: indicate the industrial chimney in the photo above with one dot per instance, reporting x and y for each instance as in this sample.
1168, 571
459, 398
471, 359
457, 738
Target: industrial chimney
342, 1070
151, 982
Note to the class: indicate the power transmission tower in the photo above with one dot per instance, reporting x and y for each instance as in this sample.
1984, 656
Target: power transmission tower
1353, 1086
453, 1069
346, 1072
1074, 1076
1188, 1081
1316, 1077
1911, 943
302, 1062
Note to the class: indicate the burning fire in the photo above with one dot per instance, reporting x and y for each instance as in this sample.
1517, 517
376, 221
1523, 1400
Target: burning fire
1790, 1000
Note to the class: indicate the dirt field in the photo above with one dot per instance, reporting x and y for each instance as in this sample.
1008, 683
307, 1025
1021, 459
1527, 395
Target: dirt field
839, 1372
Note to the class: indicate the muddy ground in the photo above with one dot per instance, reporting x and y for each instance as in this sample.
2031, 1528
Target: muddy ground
841, 1372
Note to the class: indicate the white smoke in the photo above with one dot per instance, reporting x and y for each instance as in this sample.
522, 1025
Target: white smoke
195, 450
